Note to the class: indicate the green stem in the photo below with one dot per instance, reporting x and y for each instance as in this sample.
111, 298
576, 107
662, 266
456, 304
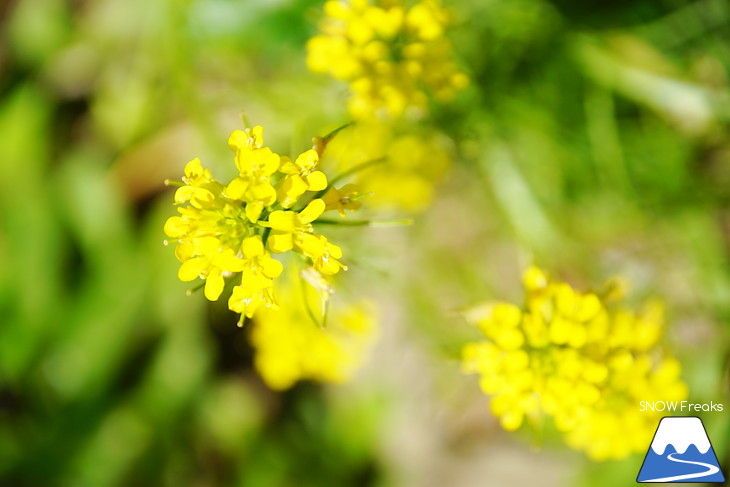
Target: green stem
306, 304
245, 121
367, 223
325, 313
355, 169
332, 134
190, 291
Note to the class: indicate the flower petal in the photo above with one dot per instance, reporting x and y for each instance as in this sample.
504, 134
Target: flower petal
192, 268
175, 227
256, 135
253, 247
311, 246
264, 192
237, 188
288, 167
271, 267
283, 221
184, 194
317, 181
184, 251
253, 304
267, 160
245, 162
280, 242
291, 188
208, 245
307, 160
194, 169
253, 210
228, 261
327, 265
332, 249
313, 210
237, 300
214, 284
237, 140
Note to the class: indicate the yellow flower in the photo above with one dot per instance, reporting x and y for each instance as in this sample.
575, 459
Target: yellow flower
200, 189
208, 260
391, 55
345, 198
248, 138
257, 279
222, 230
405, 168
255, 165
292, 230
301, 177
569, 356
290, 346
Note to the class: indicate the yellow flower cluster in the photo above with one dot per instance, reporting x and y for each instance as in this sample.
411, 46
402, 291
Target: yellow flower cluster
403, 168
571, 356
291, 344
232, 229
391, 55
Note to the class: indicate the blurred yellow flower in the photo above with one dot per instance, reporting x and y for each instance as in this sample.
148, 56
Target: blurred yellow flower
570, 356
291, 346
345, 198
391, 55
402, 169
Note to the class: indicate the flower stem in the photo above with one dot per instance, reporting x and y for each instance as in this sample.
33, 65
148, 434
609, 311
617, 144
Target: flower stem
320, 143
334, 132
190, 291
307, 307
355, 169
367, 223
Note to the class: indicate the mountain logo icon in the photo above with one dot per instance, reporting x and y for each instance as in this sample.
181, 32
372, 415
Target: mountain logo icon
680, 452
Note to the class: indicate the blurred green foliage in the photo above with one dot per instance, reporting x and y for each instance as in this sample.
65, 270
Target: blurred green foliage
593, 140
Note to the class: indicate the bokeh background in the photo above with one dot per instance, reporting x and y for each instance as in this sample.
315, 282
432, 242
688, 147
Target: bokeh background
593, 140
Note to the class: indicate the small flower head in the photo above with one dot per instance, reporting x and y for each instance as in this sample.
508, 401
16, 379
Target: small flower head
292, 230
257, 279
291, 346
569, 356
391, 55
200, 188
208, 259
345, 198
301, 176
224, 230
402, 170
256, 165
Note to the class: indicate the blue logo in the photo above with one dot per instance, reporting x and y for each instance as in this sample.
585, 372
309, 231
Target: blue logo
680, 452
